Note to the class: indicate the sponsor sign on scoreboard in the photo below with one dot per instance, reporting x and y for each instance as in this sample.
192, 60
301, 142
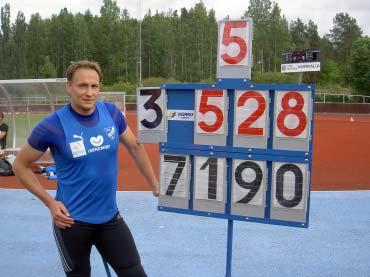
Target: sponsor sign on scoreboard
300, 67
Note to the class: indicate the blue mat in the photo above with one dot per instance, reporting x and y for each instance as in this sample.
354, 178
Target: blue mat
337, 243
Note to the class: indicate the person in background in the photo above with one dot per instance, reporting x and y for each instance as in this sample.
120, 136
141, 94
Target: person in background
4, 128
83, 138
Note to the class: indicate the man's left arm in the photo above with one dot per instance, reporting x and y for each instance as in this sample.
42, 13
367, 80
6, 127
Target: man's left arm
140, 157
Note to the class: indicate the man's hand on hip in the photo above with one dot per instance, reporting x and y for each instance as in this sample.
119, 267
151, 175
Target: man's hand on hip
60, 215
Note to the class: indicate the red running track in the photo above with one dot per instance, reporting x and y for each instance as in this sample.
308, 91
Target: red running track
341, 156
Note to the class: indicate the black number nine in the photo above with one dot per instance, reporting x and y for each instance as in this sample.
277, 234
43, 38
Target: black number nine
151, 105
280, 185
212, 177
254, 185
180, 160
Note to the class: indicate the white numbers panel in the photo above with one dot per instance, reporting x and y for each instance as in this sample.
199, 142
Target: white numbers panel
290, 190
251, 118
210, 111
233, 43
292, 114
210, 178
249, 188
249, 182
174, 175
151, 115
289, 186
234, 48
250, 113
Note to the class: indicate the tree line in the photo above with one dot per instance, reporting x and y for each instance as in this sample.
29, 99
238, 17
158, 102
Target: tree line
177, 45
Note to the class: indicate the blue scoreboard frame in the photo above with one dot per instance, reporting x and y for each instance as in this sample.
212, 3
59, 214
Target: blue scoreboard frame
278, 170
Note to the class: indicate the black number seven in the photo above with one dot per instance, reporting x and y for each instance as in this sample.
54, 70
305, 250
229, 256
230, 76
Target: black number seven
280, 185
151, 105
212, 177
180, 160
254, 186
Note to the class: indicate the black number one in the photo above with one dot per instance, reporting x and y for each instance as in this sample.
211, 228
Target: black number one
252, 186
151, 105
212, 177
180, 160
280, 185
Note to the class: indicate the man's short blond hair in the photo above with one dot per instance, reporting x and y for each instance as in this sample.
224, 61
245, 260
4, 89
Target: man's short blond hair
82, 64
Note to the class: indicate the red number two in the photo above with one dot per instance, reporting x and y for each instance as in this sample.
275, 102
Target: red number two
245, 127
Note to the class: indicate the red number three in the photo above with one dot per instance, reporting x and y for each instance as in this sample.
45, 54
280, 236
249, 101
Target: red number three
227, 39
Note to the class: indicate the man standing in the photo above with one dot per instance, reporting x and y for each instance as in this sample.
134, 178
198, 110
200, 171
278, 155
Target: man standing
83, 138
3, 131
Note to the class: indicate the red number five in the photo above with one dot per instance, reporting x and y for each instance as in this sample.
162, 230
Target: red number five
244, 128
295, 110
227, 39
204, 108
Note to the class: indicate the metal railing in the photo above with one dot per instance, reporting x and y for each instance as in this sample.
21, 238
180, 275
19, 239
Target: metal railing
341, 98
25, 101
58, 100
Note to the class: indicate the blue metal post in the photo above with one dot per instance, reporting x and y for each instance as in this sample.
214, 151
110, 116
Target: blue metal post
229, 254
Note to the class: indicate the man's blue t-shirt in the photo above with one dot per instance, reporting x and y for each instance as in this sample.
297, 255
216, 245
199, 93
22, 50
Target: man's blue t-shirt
50, 134
84, 149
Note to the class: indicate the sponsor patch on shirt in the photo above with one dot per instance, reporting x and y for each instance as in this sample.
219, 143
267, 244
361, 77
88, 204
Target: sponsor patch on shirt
97, 141
77, 148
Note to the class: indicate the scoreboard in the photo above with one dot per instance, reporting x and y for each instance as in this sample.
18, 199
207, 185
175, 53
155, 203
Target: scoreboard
233, 149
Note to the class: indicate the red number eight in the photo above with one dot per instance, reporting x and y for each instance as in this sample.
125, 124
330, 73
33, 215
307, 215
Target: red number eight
228, 39
244, 128
204, 108
295, 110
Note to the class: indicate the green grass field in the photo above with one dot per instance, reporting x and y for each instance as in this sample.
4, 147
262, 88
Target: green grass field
24, 124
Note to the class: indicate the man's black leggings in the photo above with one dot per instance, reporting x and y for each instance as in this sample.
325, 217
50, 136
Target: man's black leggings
113, 241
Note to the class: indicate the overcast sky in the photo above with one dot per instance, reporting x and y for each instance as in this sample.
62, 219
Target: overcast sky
321, 12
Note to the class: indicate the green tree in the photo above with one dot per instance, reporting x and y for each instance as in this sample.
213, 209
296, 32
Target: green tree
326, 48
18, 55
5, 42
312, 35
331, 73
360, 65
36, 37
259, 11
343, 34
64, 40
107, 42
47, 69
299, 34
279, 35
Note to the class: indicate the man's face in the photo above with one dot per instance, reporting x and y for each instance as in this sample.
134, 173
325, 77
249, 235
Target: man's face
84, 90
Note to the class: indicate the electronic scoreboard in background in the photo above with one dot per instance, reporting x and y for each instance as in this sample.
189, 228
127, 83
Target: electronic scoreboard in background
233, 149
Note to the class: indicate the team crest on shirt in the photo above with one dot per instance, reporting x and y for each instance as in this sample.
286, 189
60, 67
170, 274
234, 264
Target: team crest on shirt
110, 131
